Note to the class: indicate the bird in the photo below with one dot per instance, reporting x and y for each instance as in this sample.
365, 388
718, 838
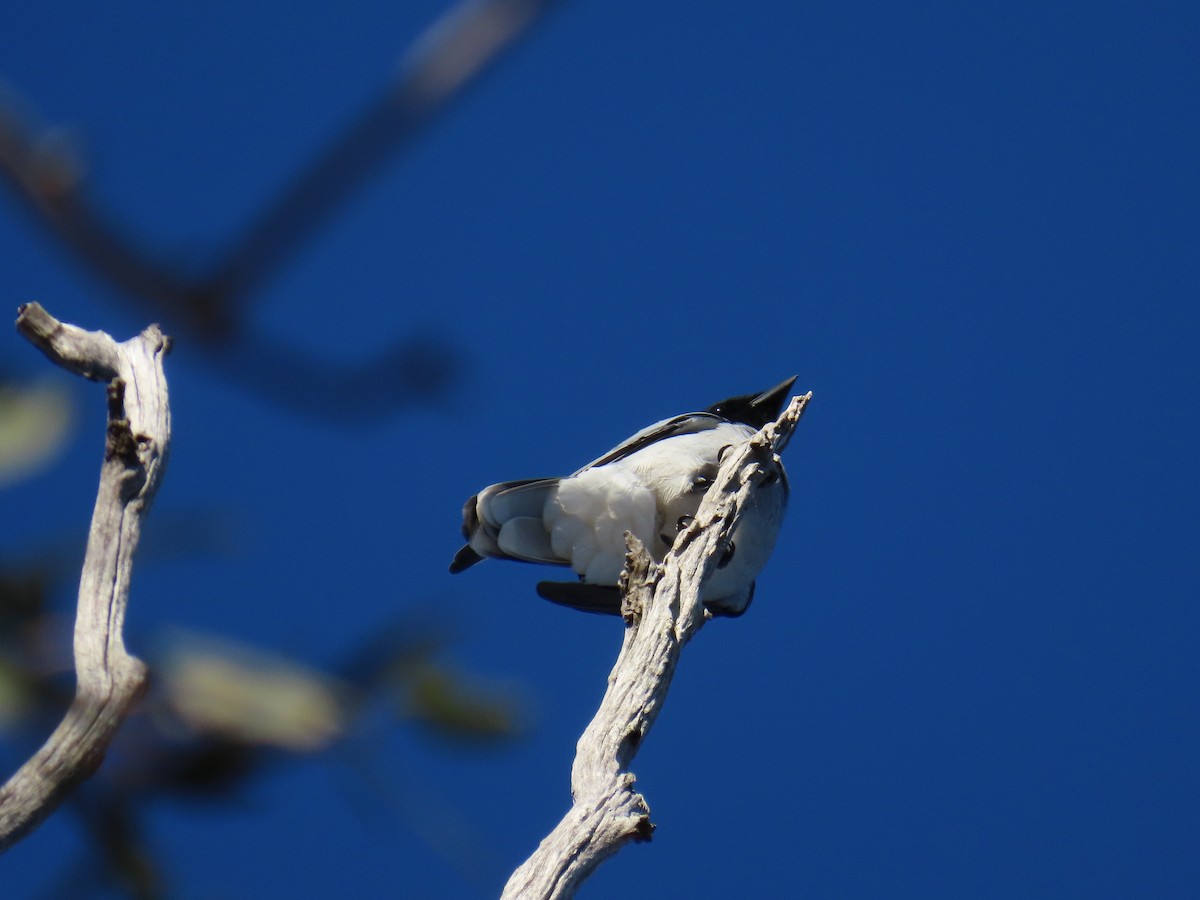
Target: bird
651, 485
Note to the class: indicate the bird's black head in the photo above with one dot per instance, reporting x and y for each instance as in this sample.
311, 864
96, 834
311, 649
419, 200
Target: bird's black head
755, 410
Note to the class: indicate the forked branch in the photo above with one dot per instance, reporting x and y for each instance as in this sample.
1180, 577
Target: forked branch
108, 679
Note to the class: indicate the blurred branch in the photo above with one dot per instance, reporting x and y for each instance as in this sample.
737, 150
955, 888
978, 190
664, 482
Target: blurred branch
662, 609
410, 372
108, 679
448, 56
49, 179
441, 63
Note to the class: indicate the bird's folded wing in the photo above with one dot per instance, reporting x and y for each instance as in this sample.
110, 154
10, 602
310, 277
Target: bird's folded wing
690, 423
526, 538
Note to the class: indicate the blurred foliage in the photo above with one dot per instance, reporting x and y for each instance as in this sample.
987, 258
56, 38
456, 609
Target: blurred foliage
217, 713
450, 703
250, 696
35, 421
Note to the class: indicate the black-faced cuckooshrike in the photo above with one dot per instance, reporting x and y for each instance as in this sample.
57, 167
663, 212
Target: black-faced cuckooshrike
651, 485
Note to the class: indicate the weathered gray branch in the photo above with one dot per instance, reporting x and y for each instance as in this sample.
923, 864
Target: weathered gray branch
662, 613
108, 680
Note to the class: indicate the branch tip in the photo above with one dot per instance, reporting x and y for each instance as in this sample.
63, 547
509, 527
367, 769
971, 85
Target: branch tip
643, 831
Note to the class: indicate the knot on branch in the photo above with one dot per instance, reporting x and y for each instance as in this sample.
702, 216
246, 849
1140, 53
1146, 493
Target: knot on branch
119, 443
630, 743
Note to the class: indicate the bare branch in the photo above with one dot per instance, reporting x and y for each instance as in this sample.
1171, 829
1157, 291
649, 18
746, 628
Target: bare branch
92, 354
663, 612
108, 680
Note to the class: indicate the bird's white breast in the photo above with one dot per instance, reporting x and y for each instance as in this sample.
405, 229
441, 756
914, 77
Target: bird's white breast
645, 493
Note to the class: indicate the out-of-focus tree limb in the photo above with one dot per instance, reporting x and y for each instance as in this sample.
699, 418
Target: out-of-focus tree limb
108, 679
451, 53
662, 609
212, 305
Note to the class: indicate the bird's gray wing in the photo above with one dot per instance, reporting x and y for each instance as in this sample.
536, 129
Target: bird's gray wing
689, 423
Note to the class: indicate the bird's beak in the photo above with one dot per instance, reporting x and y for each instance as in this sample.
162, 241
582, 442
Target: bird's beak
770, 403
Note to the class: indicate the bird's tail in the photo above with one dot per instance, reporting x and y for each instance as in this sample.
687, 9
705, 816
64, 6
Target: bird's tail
505, 521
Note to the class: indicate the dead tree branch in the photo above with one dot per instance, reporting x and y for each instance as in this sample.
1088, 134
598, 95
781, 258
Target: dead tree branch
108, 679
663, 611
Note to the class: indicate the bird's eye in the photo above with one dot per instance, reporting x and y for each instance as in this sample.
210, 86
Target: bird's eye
684, 522
727, 556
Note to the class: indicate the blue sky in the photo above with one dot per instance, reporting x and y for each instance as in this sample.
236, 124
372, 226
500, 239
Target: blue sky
971, 230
